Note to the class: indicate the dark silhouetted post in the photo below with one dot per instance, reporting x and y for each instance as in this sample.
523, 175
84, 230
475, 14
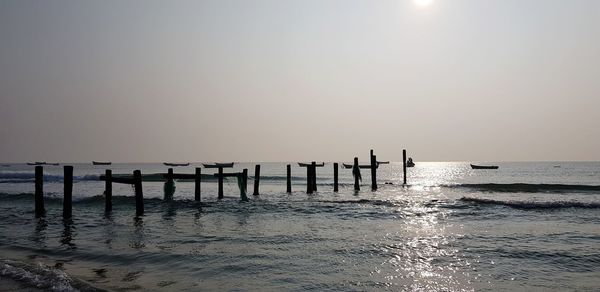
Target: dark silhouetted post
313, 165
139, 193
309, 186
404, 164
39, 192
244, 185
335, 177
197, 180
373, 172
108, 190
169, 188
256, 179
68, 192
356, 172
220, 194
289, 178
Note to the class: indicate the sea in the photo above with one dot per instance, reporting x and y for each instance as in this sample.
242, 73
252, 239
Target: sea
527, 226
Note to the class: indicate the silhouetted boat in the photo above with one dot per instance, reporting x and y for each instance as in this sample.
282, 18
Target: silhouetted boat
53, 164
410, 162
307, 164
37, 163
473, 166
101, 163
349, 166
217, 165
176, 164
383, 162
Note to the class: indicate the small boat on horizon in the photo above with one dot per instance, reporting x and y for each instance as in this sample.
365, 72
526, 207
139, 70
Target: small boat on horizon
410, 163
176, 164
218, 165
349, 166
53, 164
473, 166
383, 162
37, 163
307, 164
101, 162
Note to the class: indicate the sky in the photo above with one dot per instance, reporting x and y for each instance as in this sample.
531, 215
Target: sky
303, 80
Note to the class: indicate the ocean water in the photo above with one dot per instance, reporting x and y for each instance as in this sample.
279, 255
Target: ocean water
526, 226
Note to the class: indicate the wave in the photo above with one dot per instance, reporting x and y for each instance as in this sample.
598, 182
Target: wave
533, 205
42, 277
527, 188
28, 177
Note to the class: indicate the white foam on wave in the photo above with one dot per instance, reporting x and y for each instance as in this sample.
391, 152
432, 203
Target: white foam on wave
39, 276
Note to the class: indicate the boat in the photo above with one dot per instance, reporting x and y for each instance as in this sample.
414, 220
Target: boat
218, 165
383, 162
473, 166
410, 163
53, 164
349, 166
307, 164
176, 164
37, 163
101, 162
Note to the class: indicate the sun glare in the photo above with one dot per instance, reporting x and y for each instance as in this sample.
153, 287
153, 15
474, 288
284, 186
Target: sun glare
423, 3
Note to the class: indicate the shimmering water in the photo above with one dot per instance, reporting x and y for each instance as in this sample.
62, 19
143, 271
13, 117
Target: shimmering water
451, 229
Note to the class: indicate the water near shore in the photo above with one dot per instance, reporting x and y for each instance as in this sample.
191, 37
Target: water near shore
526, 226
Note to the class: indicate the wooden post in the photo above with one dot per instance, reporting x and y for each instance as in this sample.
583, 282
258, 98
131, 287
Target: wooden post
256, 179
68, 192
289, 178
244, 185
108, 190
356, 179
335, 177
373, 172
139, 193
197, 180
245, 175
220, 195
309, 186
169, 188
313, 165
404, 164
39, 192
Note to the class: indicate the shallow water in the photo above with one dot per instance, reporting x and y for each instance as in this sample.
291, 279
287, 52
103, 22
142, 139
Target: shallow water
452, 228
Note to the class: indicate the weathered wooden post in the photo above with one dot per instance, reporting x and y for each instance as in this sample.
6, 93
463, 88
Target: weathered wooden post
68, 192
169, 188
108, 190
373, 172
244, 185
139, 193
313, 165
289, 178
356, 172
197, 179
335, 177
220, 194
309, 186
39, 192
404, 164
256, 179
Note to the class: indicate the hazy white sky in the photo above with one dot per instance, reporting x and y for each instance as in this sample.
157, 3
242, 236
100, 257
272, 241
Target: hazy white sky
276, 80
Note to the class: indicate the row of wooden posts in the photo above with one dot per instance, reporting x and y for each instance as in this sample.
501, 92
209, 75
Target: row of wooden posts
136, 181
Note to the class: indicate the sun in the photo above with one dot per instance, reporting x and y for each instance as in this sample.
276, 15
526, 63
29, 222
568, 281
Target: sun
423, 3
